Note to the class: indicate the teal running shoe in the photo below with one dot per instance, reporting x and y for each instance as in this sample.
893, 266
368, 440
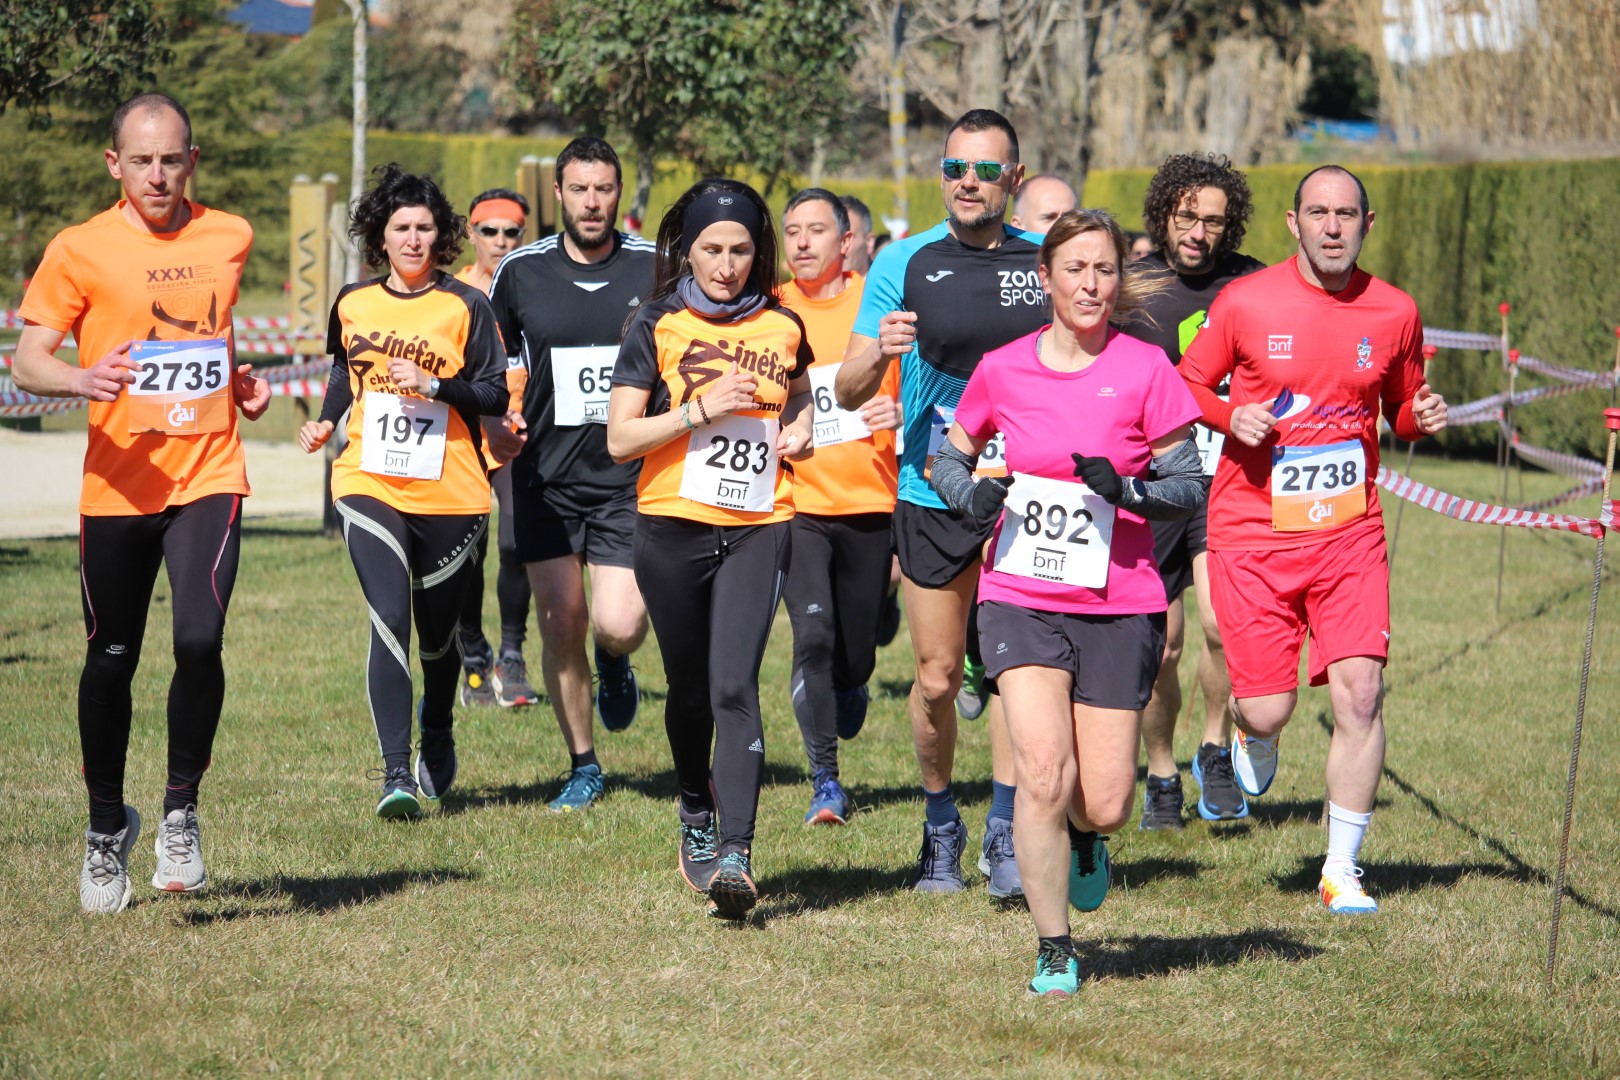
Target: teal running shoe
1057, 973
581, 789
1088, 873
398, 795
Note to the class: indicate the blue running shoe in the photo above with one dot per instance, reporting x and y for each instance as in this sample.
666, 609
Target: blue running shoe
582, 788
1057, 973
828, 805
732, 893
939, 864
435, 763
997, 861
700, 843
398, 795
1219, 797
1088, 873
617, 694
850, 707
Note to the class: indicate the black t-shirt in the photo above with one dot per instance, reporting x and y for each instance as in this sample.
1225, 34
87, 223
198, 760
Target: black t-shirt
562, 321
1179, 311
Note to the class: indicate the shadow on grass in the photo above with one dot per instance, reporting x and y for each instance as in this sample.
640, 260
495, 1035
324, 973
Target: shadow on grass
818, 888
280, 894
1151, 956
661, 787
965, 792
1140, 872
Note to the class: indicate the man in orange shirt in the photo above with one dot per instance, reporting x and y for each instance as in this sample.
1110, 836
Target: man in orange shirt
146, 289
843, 496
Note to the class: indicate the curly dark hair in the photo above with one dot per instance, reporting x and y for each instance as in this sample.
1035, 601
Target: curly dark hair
393, 189
672, 262
1184, 173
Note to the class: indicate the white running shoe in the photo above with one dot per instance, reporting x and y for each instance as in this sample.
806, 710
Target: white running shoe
1342, 893
179, 853
1254, 761
104, 887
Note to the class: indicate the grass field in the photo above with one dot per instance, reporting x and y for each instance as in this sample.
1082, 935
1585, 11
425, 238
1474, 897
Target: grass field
493, 938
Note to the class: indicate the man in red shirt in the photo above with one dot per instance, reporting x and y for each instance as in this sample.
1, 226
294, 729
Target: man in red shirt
1313, 346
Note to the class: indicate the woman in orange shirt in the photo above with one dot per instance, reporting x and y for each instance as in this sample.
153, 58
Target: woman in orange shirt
711, 391
416, 359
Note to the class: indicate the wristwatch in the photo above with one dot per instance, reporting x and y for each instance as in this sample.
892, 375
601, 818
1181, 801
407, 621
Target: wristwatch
433, 387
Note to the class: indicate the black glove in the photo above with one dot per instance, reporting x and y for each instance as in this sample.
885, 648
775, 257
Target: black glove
1100, 476
989, 492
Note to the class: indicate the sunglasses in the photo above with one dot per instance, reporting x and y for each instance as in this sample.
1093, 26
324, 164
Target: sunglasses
955, 168
491, 232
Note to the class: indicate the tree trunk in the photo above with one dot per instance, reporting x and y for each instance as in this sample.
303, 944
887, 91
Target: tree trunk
357, 161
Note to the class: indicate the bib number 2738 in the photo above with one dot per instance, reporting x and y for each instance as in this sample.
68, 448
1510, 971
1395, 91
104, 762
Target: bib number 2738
1317, 487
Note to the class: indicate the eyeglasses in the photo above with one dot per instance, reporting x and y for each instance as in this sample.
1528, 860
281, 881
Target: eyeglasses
955, 168
490, 232
1185, 222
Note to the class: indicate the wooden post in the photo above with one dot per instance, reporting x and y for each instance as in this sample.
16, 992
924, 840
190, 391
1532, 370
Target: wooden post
528, 185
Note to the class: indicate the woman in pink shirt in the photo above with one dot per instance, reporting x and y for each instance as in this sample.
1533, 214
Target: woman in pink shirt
1071, 615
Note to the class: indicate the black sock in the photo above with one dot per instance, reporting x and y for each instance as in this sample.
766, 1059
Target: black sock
1061, 941
579, 761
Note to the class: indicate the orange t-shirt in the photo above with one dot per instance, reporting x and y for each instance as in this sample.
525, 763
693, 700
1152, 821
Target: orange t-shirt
855, 477
107, 282
677, 354
447, 330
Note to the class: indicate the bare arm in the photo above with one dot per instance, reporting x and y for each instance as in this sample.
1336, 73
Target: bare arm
797, 437
36, 369
866, 359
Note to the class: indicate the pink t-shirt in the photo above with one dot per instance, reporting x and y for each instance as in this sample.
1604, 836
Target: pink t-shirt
1117, 407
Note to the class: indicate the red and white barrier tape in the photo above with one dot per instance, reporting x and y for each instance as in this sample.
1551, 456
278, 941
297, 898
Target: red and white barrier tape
1454, 506
1560, 373
1461, 339
1581, 490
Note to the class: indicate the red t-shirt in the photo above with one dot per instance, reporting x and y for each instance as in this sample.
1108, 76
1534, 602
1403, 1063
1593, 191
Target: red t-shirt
1328, 359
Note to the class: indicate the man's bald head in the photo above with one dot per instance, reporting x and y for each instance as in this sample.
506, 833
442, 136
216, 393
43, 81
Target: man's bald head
1040, 201
147, 105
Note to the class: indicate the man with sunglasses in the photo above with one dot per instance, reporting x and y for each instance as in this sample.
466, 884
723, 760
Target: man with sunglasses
495, 225
939, 301
1195, 211
561, 304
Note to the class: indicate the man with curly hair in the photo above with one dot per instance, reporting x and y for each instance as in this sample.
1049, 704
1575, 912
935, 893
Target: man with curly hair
1195, 211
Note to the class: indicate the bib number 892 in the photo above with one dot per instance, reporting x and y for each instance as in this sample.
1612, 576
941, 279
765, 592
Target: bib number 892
398, 428
1332, 476
740, 450
1051, 521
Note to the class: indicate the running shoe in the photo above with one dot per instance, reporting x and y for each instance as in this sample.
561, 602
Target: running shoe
582, 788
828, 805
1161, 803
617, 694
850, 710
435, 762
511, 681
1088, 873
104, 887
1057, 972
997, 861
939, 864
179, 853
476, 687
888, 624
1219, 797
1342, 893
398, 795
700, 842
1254, 762
970, 699
732, 893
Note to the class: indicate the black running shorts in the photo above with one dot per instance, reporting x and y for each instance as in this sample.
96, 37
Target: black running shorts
1113, 659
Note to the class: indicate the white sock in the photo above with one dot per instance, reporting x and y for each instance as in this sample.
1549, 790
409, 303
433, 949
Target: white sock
1346, 830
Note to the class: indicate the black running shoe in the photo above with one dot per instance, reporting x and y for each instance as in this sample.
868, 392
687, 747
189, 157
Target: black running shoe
435, 763
1161, 803
700, 844
732, 893
1219, 797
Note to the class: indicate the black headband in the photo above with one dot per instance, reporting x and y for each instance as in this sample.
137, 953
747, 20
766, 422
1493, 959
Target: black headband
714, 207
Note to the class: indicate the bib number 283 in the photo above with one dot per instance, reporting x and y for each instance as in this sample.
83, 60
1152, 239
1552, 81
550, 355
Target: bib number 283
732, 464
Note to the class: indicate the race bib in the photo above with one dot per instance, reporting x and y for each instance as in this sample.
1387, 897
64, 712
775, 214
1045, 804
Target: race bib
403, 436
181, 387
992, 459
1317, 487
1209, 441
1055, 530
581, 379
732, 464
833, 425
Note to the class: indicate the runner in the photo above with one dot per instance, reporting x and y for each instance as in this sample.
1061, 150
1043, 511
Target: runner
861, 249
146, 289
1040, 201
712, 390
939, 301
1313, 346
1197, 208
495, 226
1071, 601
843, 498
562, 304
416, 354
